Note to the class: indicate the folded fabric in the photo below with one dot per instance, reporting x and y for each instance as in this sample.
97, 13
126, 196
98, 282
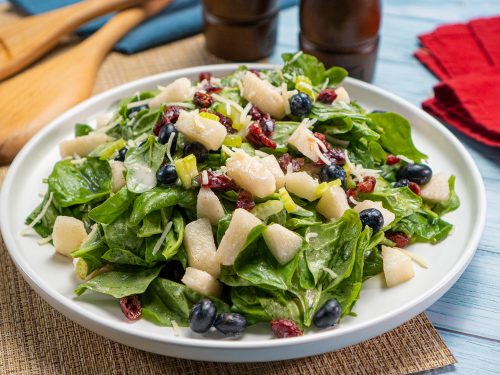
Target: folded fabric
180, 19
466, 57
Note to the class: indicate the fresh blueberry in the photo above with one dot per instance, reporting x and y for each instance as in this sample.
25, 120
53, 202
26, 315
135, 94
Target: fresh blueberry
328, 315
230, 323
198, 150
401, 183
121, 154
418, 173
165, 134
202, 316
166, 174
300, 104
373, 218
332, 172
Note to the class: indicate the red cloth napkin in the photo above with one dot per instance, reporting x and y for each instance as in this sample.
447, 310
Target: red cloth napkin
466, 57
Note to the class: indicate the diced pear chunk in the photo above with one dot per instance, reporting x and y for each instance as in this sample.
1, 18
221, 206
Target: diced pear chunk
68, 234
84, 145
273, 166
208, 206
117, 175
282, 242
250, 174
200, 247
437, 189
388, 215
236, 235
263, 95
302, 185
333, 203
210, 133
304, 141
398, 266
202, 282
178, 91
342, 95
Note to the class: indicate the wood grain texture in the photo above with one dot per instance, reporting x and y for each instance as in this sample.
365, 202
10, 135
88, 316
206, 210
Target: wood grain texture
468, 316
30, 100
23, 42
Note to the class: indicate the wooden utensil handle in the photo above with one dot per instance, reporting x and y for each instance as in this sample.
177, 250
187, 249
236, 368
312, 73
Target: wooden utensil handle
23, 48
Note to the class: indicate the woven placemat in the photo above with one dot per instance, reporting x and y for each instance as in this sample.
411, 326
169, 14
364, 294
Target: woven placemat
36, 339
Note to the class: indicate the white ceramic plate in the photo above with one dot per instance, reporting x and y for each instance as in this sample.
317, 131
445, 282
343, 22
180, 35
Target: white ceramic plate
379, 309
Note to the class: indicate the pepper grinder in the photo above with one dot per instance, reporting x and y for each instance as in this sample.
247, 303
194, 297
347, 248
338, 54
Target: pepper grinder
343, 33
241, 30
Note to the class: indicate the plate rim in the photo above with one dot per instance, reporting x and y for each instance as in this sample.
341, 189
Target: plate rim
399, 315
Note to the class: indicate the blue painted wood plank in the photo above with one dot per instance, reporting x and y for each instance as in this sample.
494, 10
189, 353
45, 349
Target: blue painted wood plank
475, 356
468, 315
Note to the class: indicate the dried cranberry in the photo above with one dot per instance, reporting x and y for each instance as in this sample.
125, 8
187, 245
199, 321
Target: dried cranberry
367, 185
392, 159
257, 137
245, 200
170, 116
131, 307
352, 193
327, 96
283, 328
218, 181
335, 155
256, 72
267, 124
322, 138
205, 76
226, 121
212, 89
399, 238
286, 159
414, 187
202, 99
255, 113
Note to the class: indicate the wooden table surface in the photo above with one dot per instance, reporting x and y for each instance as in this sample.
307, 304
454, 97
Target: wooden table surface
468, 316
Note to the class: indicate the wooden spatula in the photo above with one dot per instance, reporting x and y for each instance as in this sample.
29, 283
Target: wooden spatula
31, 99
24, 41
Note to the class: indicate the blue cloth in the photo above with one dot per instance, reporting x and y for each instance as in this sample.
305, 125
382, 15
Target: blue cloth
180, 19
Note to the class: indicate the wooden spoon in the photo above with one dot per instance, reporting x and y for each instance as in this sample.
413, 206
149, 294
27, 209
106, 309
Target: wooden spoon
31, 99
24, 41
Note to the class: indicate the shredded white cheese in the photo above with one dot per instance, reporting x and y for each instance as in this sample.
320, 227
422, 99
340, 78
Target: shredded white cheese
260, 154
330, 272
181, 104
244, 114
323, 86
295, 57
227, 150
229, 102
358, 171
323, 157
404, 158
162, 238
175, 327
353, 201
169, 147
240, 86
204, 178
44, 241
39, 217
138, 103
321, 144
417, 259
311, 235
289, 168
104, 129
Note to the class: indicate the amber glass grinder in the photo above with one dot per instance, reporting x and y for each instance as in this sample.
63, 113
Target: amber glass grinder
343, 33
241, 30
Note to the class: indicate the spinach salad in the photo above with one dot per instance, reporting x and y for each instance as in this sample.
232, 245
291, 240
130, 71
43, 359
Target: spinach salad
262, 196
